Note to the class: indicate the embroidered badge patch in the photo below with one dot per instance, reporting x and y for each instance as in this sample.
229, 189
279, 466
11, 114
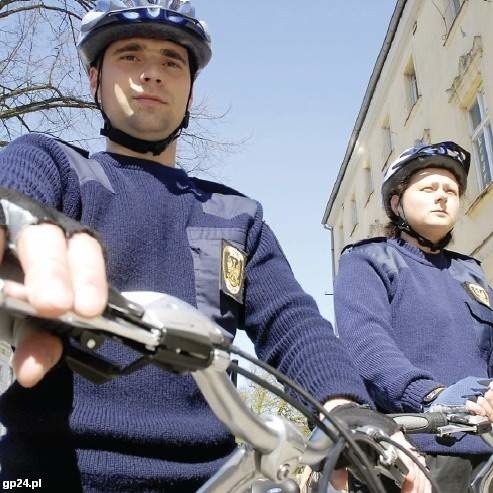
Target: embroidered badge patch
478, 293
233, 262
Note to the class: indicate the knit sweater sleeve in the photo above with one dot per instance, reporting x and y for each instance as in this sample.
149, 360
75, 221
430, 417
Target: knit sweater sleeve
363, 316
36, 165
286, 327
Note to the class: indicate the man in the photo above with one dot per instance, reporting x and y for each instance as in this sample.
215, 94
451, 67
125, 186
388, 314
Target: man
162, 231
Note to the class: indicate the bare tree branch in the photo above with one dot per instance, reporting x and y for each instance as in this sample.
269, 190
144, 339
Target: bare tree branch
46, 104
38, 6
44, 86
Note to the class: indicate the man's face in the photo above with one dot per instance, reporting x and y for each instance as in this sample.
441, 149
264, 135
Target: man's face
144, 86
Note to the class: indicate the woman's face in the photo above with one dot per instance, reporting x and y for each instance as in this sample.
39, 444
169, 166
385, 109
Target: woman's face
430, 204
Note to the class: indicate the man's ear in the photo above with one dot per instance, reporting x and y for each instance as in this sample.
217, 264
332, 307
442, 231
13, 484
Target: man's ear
93, 80
394, 204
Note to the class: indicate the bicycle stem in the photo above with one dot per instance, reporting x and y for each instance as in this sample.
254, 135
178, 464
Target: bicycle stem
275, 444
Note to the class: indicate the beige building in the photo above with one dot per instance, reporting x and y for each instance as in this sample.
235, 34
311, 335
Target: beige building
432, 81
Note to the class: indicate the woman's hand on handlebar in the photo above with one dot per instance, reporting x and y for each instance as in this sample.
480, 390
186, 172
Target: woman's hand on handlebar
416, 481
484, 404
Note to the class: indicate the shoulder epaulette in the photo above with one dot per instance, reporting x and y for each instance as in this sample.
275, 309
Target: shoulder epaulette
82, 152
366, 241
214, 187
462, 256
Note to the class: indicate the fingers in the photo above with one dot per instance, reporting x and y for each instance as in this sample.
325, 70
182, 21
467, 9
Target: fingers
42, 252
487, 403
60, 275
339, 479
487, 407
36, 354
88, 275
416, 481
483, 406
475, 408
15, 289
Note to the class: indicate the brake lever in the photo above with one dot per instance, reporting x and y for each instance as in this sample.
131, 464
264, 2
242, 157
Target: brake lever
173, 335
465, 423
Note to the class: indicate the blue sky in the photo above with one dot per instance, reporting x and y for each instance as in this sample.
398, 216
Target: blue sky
293, 75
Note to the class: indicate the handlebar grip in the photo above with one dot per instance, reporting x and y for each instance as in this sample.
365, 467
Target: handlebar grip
420, 422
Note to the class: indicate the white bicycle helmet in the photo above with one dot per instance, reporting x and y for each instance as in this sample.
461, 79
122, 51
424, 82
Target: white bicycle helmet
173, 20
447, 155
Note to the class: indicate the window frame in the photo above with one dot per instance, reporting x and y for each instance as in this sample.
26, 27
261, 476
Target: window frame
354, 215
369, 183
483, 128
388, 144
412, 86
452, 11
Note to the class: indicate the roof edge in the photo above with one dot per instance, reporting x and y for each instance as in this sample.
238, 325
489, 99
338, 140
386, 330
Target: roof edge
370, 90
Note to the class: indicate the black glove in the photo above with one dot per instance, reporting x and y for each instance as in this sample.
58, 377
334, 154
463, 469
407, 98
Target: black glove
372, 424
18, 211
355, 416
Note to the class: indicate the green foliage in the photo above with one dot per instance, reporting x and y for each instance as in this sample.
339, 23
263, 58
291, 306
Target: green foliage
261, 401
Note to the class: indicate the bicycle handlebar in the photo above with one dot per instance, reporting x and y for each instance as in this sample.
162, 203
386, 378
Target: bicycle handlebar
175, 336
452, 419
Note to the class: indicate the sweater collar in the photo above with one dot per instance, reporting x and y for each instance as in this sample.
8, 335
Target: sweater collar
128, 162
440, 260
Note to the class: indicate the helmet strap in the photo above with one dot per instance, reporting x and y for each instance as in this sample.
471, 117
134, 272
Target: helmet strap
133, 143
403, 226
140, 145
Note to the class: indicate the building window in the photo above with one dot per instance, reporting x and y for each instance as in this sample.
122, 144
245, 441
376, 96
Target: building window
387, 145
369, 187
341, 239
452, 8
354, 215
482, 139
411, 85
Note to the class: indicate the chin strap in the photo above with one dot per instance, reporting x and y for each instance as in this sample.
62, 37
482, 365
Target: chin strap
403, 225
140, 145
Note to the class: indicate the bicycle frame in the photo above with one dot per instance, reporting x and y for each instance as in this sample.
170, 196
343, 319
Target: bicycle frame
171, 334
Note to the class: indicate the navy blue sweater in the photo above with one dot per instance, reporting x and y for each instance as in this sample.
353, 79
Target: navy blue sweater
411, 328
152, 430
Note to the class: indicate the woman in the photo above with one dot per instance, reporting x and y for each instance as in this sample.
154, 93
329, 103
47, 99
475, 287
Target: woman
417, 318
